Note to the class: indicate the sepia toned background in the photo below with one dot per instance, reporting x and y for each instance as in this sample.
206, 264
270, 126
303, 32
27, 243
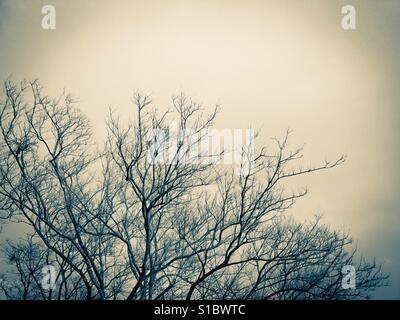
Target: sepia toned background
272, 65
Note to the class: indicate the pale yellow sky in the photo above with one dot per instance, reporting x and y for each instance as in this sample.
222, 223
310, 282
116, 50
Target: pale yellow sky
271, 64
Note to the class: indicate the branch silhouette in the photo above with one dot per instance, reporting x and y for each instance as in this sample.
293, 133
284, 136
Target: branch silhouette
116, 224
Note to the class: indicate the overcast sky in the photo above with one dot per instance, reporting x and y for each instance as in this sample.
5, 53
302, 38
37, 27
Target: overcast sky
270, 64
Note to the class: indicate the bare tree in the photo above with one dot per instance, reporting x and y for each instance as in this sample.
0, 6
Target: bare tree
151, 217
23, 282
